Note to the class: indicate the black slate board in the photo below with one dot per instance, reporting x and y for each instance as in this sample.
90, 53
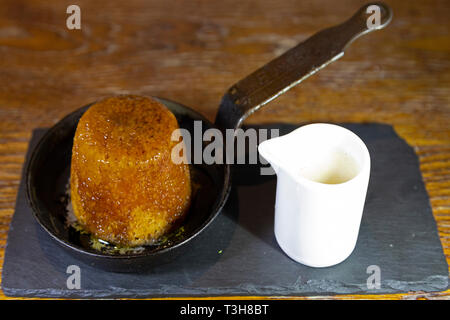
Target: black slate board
238, 253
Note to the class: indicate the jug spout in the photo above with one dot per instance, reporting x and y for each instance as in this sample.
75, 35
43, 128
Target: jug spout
273, 151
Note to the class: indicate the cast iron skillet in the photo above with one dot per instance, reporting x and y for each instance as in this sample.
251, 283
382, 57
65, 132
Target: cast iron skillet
48, 172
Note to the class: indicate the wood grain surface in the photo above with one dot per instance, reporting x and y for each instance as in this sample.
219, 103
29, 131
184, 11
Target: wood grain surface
192, 51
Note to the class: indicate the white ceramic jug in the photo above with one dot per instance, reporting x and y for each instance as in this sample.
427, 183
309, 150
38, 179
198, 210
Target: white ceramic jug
322, 177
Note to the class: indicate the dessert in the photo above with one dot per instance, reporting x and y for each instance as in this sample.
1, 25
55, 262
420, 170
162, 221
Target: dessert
125, 189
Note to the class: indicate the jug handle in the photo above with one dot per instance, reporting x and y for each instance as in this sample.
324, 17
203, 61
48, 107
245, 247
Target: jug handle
295, 65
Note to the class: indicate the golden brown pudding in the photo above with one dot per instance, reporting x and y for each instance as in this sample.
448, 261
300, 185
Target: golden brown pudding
125, 189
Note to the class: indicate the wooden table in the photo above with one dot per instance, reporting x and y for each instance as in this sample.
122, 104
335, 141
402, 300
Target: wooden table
192, 51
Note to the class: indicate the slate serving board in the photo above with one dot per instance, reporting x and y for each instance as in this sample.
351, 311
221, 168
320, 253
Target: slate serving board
238, 253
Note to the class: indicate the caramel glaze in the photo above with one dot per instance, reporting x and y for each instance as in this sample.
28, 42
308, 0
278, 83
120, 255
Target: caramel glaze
125, 188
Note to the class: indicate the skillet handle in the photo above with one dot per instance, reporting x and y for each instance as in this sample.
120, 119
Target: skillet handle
297, 64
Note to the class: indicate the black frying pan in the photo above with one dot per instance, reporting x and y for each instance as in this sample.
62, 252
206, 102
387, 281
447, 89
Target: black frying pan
48, 170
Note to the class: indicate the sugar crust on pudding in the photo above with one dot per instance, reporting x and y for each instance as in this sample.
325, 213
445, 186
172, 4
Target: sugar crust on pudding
125, 188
